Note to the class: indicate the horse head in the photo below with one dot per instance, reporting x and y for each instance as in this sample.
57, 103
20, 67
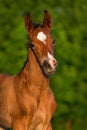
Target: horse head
42, 43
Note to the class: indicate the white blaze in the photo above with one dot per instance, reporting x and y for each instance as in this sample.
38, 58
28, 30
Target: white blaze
51, 60
42, 37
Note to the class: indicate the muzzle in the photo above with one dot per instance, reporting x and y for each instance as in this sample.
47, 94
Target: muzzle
49, 67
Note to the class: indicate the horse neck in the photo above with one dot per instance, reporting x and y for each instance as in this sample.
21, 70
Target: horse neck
32, 72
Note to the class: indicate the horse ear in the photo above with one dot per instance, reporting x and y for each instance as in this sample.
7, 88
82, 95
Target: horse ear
47, 22
28, 22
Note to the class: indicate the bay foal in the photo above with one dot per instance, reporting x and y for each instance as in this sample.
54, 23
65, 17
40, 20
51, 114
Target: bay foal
26, 100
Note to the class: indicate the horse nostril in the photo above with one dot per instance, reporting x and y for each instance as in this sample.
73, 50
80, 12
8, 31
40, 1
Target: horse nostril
54, 63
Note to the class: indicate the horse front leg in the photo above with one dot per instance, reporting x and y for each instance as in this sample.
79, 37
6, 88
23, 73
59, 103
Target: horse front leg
49, 127
19, 124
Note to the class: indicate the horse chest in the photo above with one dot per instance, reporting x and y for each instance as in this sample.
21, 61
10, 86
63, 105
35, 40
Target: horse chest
45, 110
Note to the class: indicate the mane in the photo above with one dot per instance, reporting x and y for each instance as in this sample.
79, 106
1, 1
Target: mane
36, 25
24, 64
27, 47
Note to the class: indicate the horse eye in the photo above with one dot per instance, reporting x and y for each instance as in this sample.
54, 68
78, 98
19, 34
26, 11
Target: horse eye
54, 41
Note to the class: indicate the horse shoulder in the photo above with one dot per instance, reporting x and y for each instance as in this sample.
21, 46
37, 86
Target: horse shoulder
25, 103
48, 103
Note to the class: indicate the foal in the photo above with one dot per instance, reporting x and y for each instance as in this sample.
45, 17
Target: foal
26, 100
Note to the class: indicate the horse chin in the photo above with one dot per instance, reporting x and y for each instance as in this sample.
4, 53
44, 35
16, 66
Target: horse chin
48, 71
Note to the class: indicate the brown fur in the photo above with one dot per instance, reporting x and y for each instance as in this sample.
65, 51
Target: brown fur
26, 100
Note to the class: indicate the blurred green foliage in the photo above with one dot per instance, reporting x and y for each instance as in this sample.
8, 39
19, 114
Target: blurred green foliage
69, 83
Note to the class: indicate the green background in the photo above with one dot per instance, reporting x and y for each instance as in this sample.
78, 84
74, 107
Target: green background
69, 83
